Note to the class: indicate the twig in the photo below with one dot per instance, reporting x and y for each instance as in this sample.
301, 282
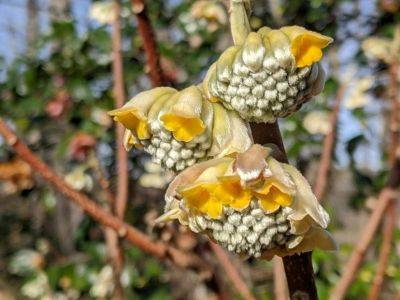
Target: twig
298, 268
156, 74
232, 272
327, 149
119, 206
119, 92
388, 231
390, 222
280, 286
353, 264
114, 251
124, 230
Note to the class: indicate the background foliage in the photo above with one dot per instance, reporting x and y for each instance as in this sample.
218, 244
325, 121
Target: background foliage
55, 91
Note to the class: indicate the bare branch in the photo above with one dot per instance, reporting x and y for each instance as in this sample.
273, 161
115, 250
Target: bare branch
124, 230
327, 148
149, 43
232, 272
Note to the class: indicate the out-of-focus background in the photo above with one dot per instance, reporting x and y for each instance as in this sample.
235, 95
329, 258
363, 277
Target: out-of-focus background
56, 88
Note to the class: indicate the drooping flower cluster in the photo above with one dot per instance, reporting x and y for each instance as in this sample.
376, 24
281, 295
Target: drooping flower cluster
235, 192
251, 204
271, 75
180, 128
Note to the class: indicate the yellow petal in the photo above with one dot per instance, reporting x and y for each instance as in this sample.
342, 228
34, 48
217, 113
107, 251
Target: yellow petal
269, 206
272, 197
133, 115
230, 192
280, 197
196, 195
183, 129
306, 48
130, 118
130, 140
212, 208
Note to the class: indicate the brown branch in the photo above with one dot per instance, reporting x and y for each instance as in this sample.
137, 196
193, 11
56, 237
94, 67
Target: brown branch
119, 93
146, 31
328, 146
386, 247
298, 267
232, 272
124, 230
358, 254
390, 223
119, 206
280, 286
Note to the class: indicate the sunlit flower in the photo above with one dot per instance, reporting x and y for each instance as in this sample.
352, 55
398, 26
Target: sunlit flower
37, 288
79, 180
358, 96
180, 128
377, 48
251, 204
103, 284
26, 261
271, 75
317, 122
102, 12
204, 15
211, 10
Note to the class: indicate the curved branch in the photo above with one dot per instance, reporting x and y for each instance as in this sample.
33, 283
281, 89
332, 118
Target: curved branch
124, 230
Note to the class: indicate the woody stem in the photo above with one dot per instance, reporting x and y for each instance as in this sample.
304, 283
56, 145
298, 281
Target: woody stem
298, 268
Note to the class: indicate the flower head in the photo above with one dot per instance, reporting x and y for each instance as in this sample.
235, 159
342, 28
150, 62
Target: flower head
270, 75
180, 128
251, 204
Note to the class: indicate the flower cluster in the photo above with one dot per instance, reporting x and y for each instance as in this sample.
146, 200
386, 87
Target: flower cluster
271, 75
180, 128
233, 191
251, 204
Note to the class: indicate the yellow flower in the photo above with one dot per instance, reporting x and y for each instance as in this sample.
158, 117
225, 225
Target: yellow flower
133, 115
272, 196
180, 128
184, 117
251, 204
306, 45
269, 73
230, 192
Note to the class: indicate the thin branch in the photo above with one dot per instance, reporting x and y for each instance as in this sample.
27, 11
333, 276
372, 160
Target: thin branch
124, 230
146, 31
391, 213
280, 286
232, 272
114, 251
352, 266
298, 268
119, 205
119, 93
328, 146
384, 254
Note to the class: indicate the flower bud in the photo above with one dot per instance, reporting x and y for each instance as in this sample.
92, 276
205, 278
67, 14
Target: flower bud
181, 128
270, 75
250, 204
